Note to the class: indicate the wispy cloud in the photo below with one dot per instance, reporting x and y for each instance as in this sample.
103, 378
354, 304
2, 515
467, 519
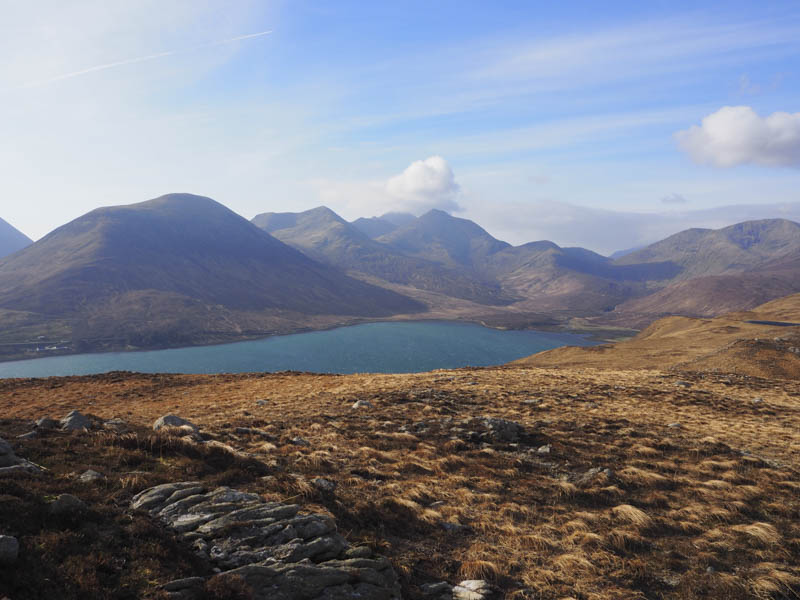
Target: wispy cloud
141, 59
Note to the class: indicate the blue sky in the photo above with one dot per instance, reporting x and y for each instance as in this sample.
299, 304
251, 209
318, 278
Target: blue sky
558, 121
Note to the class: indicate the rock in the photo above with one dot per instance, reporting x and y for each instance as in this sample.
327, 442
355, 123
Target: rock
117, 425
9, 550
503, 430
47, 423
7, 456
189, 588
173, 421
362, 404
473, 589
758, 400
322, 484
75, 421
67, 505
441, 588
28, 436
262, 402
299, 441
278, 552
674, 425
544, 449
683, 384
91, 476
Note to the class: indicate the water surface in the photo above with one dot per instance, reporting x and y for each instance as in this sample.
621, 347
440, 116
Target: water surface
367, 348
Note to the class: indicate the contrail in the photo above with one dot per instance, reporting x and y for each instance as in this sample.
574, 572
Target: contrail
140, 59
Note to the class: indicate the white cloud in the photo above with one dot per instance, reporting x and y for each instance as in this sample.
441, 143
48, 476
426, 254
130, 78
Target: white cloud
424, 185
737, 135
674, 199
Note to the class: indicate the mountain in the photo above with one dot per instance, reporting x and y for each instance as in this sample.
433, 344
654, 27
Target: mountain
702, 252
11, 239
324, 236
375, 227
176, 257
447, 240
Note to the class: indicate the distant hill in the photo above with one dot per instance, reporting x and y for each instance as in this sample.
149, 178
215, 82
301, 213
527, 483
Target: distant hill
447, 240
762, 342
11, 239
375, 227
180, 259
702, 252
325, 236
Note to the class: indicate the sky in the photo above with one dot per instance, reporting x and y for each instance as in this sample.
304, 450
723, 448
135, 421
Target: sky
605, 125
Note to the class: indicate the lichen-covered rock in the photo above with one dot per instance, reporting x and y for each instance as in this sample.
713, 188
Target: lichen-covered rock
75, 421
473, 589
174, 421
278, 552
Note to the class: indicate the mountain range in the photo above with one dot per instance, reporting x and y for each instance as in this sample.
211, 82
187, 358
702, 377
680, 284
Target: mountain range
183, 269
11, 239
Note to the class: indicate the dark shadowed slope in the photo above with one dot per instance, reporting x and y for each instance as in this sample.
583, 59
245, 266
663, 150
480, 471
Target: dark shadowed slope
11, 239
325, 236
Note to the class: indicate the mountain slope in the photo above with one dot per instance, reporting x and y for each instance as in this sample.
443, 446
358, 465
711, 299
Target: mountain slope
374, 227
702, 252
325, 236
11, 239
179, 262
447, 240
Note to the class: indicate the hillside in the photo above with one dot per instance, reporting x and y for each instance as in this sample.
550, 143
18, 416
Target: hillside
173, 265
762, 342
325, 236
375, 227
537, 482
11, 239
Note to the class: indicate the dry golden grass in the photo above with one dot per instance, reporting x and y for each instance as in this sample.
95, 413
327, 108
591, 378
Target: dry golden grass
622, 505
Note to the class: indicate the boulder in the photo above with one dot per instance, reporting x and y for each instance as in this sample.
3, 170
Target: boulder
502, 430
91, 476
473, 589
9, 550
67, 505
75, 421
174, 421
7, 456
47, 423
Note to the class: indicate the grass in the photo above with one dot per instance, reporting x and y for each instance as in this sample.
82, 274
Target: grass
622, 506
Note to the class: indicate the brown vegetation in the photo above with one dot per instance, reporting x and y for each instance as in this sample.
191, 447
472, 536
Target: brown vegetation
621, 484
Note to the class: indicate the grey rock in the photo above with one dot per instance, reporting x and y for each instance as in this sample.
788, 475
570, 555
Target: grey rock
75, 421
9, 550
503, 430
279, 553
544, 449
473, 589
674, 425
362, 404
28, 436
174, 421
300, 441
47, 423
758, 400
7, 456
441, 588
189, 588
117, 425
91, 476
322, 484
67, 505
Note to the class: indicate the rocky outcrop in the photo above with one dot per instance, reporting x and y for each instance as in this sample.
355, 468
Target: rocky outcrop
75, 421
11, 463
280, 553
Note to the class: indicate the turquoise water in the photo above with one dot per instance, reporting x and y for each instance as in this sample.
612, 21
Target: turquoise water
368, 348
